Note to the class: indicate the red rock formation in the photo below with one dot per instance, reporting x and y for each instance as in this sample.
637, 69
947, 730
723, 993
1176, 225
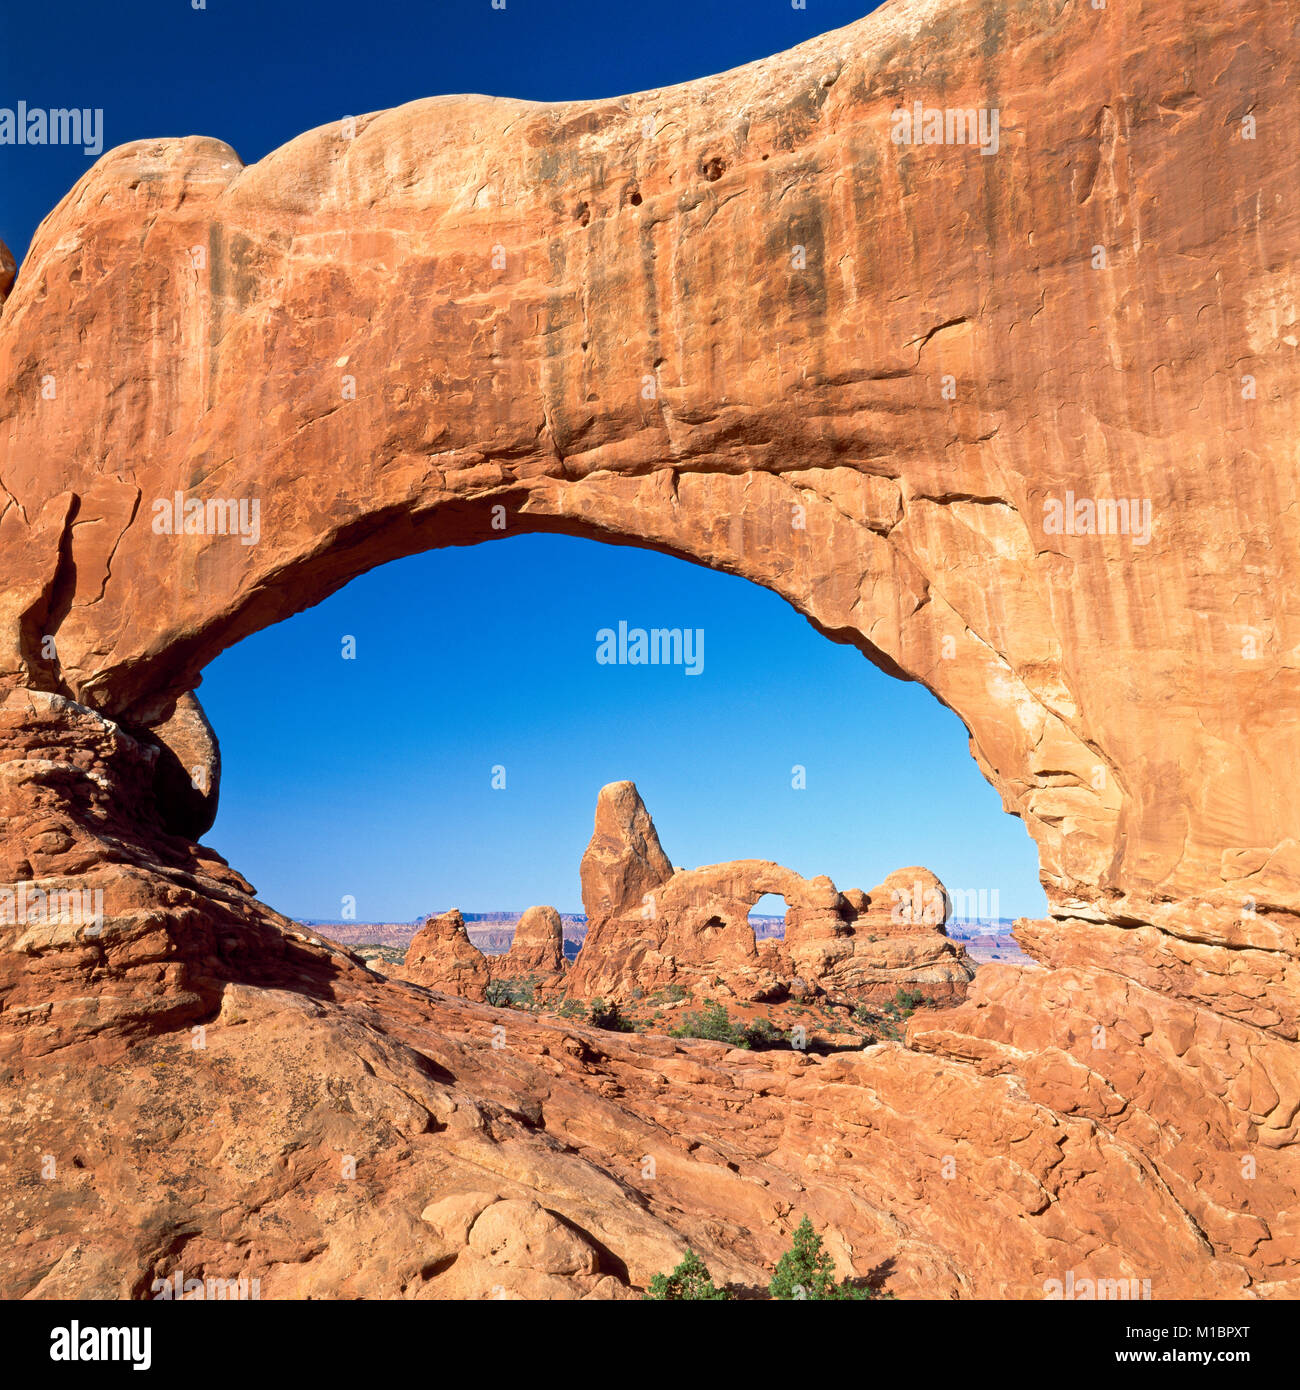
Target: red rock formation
859, 373
907, 899
441, 956
894, 940
188, 772
7, 271
692, 927
537, 948
624, 860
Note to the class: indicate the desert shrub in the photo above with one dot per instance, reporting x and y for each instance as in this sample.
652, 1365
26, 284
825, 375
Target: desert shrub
806, 1271
762, 1033
690, 1280
510, 993
716, 1025
608, 1017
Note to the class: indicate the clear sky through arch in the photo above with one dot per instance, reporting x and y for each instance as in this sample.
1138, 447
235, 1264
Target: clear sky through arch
378, 777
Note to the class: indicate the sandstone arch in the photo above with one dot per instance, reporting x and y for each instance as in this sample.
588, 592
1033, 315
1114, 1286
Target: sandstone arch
650, 926
652, 364
522, 387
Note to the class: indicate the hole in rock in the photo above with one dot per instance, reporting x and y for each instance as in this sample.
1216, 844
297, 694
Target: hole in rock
435, 734
767, 916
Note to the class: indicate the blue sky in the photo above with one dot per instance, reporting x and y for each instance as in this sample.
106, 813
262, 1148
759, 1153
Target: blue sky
373, 777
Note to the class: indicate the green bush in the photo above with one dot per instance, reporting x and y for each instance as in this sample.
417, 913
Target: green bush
690, 1280
609, 1018
806, 1271
762, 1033
714, 1024
511, 993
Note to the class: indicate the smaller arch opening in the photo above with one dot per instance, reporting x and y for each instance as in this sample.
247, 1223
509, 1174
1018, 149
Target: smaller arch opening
767, 917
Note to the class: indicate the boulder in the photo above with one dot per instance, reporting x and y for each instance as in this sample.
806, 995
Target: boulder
441, 956
537, 947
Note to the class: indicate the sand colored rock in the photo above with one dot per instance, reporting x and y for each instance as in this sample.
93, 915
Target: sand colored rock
704, 325
908, 898
442, 957
525, 1235
537, 947
624, 860
692, 929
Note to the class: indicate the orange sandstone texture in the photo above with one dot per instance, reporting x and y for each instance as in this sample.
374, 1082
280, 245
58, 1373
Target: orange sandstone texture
735, 322
443, 957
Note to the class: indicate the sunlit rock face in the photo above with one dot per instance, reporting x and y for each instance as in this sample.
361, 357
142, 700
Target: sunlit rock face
905, 385
441, 956
658, 926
